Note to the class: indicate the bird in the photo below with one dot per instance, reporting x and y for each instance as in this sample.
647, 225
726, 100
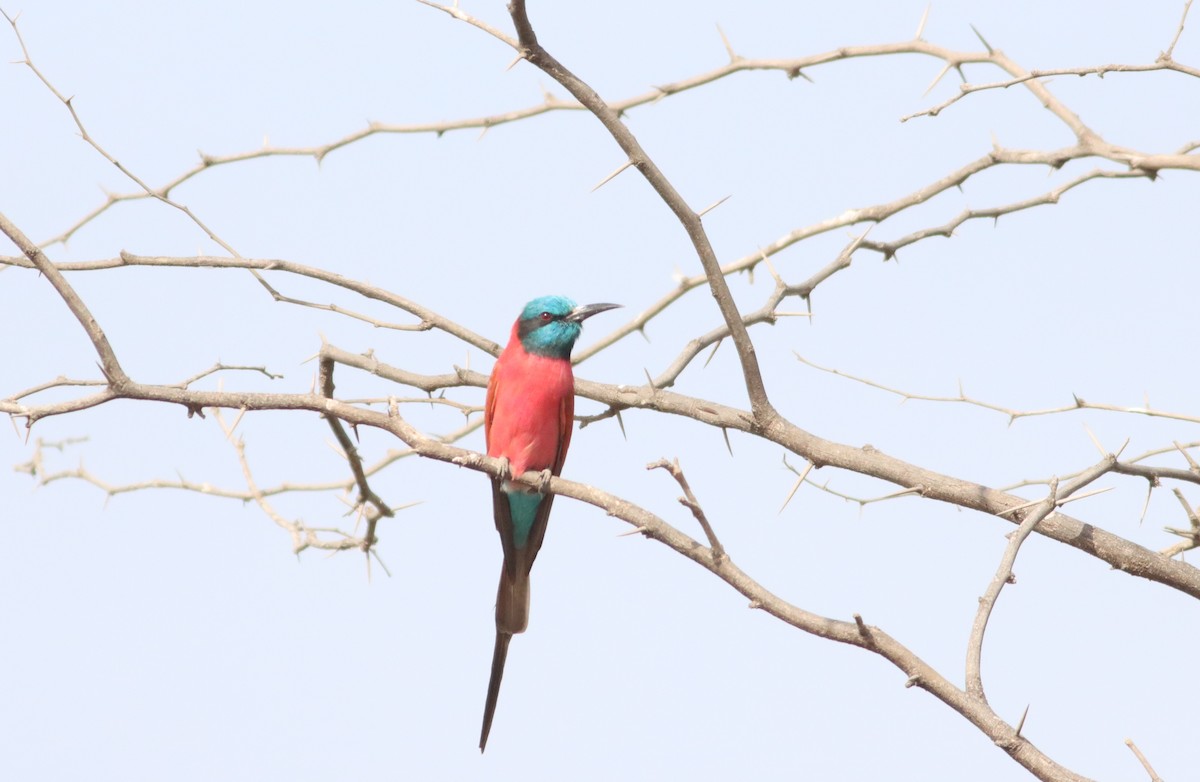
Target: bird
527, 423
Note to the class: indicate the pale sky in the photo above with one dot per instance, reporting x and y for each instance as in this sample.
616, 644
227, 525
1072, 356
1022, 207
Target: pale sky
163, 634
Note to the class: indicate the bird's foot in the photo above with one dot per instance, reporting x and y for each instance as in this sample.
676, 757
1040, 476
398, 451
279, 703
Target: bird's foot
505, 469
543, 482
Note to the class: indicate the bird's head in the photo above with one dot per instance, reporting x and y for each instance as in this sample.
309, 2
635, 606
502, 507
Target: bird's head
549, 325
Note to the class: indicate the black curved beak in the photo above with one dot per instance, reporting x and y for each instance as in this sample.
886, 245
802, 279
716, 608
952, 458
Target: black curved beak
588, 310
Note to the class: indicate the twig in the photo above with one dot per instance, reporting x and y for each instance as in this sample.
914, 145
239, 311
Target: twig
83, 132
303, 536
1137, 753
108, 358
690, 502
1170, 52
1004, 575
1012, 414
532, 51
366, 495
1164, 63
428, 319
1191, 536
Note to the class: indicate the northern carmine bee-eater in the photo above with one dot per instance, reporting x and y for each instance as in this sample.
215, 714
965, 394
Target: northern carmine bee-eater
528, 418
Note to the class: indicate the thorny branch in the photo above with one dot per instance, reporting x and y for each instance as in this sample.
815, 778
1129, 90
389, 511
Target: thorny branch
374, 506
108, 357
532, 51
792, 67
303, 536
427, 318
762, 420
963, 398
1004, 575
1033, 515
689, 501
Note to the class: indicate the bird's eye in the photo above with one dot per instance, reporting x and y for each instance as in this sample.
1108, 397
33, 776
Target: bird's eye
545, 316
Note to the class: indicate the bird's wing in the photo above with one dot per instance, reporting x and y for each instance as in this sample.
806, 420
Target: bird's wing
504, 525
566, 423
489, 406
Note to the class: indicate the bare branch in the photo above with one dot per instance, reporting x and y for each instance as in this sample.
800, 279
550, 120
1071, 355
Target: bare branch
83, 132
108, 358
366, 495
58, 382
1004, 575
1098, 70
302, 535
792, 67
1170, 52
427, 317
610, 119
1012, 414
856, 633
690, 502
1191, 536
1154, 777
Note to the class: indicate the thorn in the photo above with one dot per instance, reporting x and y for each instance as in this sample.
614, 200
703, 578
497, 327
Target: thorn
713, 206
337, 450
236, 421
983, 40
521, 56
945, 69
649, 380
1146, 504
796, 487
1095, 441
728, 46
924, 19
714, 352
725, 431
792, 493
1021, 723
621, 423
762, 254
612, 176
1192, 465
1085, 495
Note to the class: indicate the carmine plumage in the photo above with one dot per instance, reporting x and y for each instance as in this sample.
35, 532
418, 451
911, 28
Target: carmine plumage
527, 420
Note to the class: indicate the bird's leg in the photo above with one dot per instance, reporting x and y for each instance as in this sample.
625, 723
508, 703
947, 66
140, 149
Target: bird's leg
543, 482
505, 469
